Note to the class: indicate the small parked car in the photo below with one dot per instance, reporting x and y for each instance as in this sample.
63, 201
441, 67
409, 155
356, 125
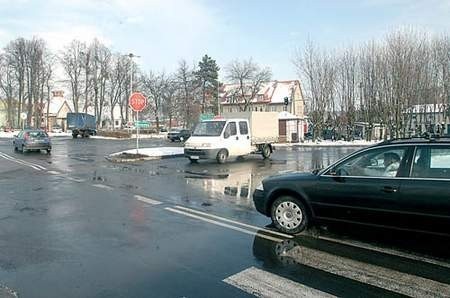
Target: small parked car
32, 139
57, 129
402, 184
180, 135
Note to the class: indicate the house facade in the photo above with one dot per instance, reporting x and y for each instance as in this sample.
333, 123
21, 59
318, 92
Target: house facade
284, 97
270, 98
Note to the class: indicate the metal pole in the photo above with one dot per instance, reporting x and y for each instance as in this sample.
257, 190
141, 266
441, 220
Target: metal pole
218, 99
131, 80
137, 132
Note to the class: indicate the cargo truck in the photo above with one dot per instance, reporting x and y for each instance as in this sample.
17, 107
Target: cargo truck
81, 124
233, 135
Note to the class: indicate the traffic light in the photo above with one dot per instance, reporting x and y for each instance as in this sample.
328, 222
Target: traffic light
286, 101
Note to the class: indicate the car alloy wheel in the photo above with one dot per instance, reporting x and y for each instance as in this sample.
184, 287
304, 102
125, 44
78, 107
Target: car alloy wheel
289, 215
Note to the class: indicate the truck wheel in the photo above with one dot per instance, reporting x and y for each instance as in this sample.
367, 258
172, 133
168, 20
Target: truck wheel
289, 215
266, 152
222, 156
74, 135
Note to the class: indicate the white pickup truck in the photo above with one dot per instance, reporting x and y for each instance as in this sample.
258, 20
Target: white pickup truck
234, 135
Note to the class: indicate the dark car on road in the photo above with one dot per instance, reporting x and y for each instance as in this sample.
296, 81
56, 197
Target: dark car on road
402, 184
32, 139
180, 135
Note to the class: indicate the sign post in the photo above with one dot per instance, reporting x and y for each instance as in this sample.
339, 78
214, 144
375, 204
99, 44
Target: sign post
137, 102
23, 116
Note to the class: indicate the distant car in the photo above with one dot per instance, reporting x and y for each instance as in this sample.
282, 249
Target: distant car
32, 139
400, 184
57, 129
163, 129
179, 135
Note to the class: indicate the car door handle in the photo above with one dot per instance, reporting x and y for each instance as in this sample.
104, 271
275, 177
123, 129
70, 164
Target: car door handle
390, 189
248, 137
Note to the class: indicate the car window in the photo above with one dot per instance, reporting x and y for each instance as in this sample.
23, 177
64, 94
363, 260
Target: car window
383, 162
37, 134
243, 128
231, 129
431, 162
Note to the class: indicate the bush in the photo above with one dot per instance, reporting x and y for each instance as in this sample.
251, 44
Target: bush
120, 134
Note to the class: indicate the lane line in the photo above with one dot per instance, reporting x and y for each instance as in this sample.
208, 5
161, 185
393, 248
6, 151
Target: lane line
24, 161
224, 225
389, 251
235, 222
74, 179
388, 279
103, 186
19, 162
54, 172
261, 283
147, 200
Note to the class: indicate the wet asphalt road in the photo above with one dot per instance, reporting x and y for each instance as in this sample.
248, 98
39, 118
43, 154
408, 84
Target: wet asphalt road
73, 224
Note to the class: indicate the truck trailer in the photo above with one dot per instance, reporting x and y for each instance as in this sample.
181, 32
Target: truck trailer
81, 124
233, 135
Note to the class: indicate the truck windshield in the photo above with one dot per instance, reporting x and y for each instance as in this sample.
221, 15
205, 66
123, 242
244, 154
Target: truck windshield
209, 128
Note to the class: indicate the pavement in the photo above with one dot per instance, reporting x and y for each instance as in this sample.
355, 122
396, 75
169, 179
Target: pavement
74, 224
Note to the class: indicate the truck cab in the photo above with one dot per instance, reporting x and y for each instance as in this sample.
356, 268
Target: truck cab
220, 139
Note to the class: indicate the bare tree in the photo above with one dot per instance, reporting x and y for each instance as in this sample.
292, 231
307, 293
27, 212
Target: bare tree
117, 87
155, 86
8, 87
318, 70
185, 79
248, 78
72, 62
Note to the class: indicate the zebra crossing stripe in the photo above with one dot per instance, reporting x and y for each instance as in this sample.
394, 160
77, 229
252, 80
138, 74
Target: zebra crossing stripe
261, 283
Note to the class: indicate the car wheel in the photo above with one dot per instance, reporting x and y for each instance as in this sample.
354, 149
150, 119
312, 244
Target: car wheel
193, 160
49, 151
16, 149
266, 152
222, 156
289, 215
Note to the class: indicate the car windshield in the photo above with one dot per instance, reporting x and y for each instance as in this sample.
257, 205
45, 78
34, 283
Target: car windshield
209, 128
37, 134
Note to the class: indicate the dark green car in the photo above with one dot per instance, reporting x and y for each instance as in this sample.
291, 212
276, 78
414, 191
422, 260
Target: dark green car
401, 184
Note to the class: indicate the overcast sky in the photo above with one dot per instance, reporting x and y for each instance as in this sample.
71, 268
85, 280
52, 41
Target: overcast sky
163, 32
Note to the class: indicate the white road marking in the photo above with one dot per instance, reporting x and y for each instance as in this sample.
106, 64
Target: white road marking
103, 186
374, 275
27, 163
235, 222
54, 172
387, 251
147, 200
74, 179
261, 283
7, 157
224, 225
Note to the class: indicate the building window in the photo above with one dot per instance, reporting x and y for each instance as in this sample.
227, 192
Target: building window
274, 108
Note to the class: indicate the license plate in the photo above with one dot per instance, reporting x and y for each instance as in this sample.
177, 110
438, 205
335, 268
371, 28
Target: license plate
194, 157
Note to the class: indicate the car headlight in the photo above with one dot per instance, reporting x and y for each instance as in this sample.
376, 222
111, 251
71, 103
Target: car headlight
206, 145
260, 187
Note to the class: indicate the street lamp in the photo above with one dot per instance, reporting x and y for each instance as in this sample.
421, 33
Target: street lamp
131, 56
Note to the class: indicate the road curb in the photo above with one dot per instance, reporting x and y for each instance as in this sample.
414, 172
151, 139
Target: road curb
125, 160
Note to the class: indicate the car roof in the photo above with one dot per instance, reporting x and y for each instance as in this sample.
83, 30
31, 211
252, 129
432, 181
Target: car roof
416, 140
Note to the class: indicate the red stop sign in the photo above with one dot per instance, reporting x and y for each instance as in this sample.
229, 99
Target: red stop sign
137, 101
